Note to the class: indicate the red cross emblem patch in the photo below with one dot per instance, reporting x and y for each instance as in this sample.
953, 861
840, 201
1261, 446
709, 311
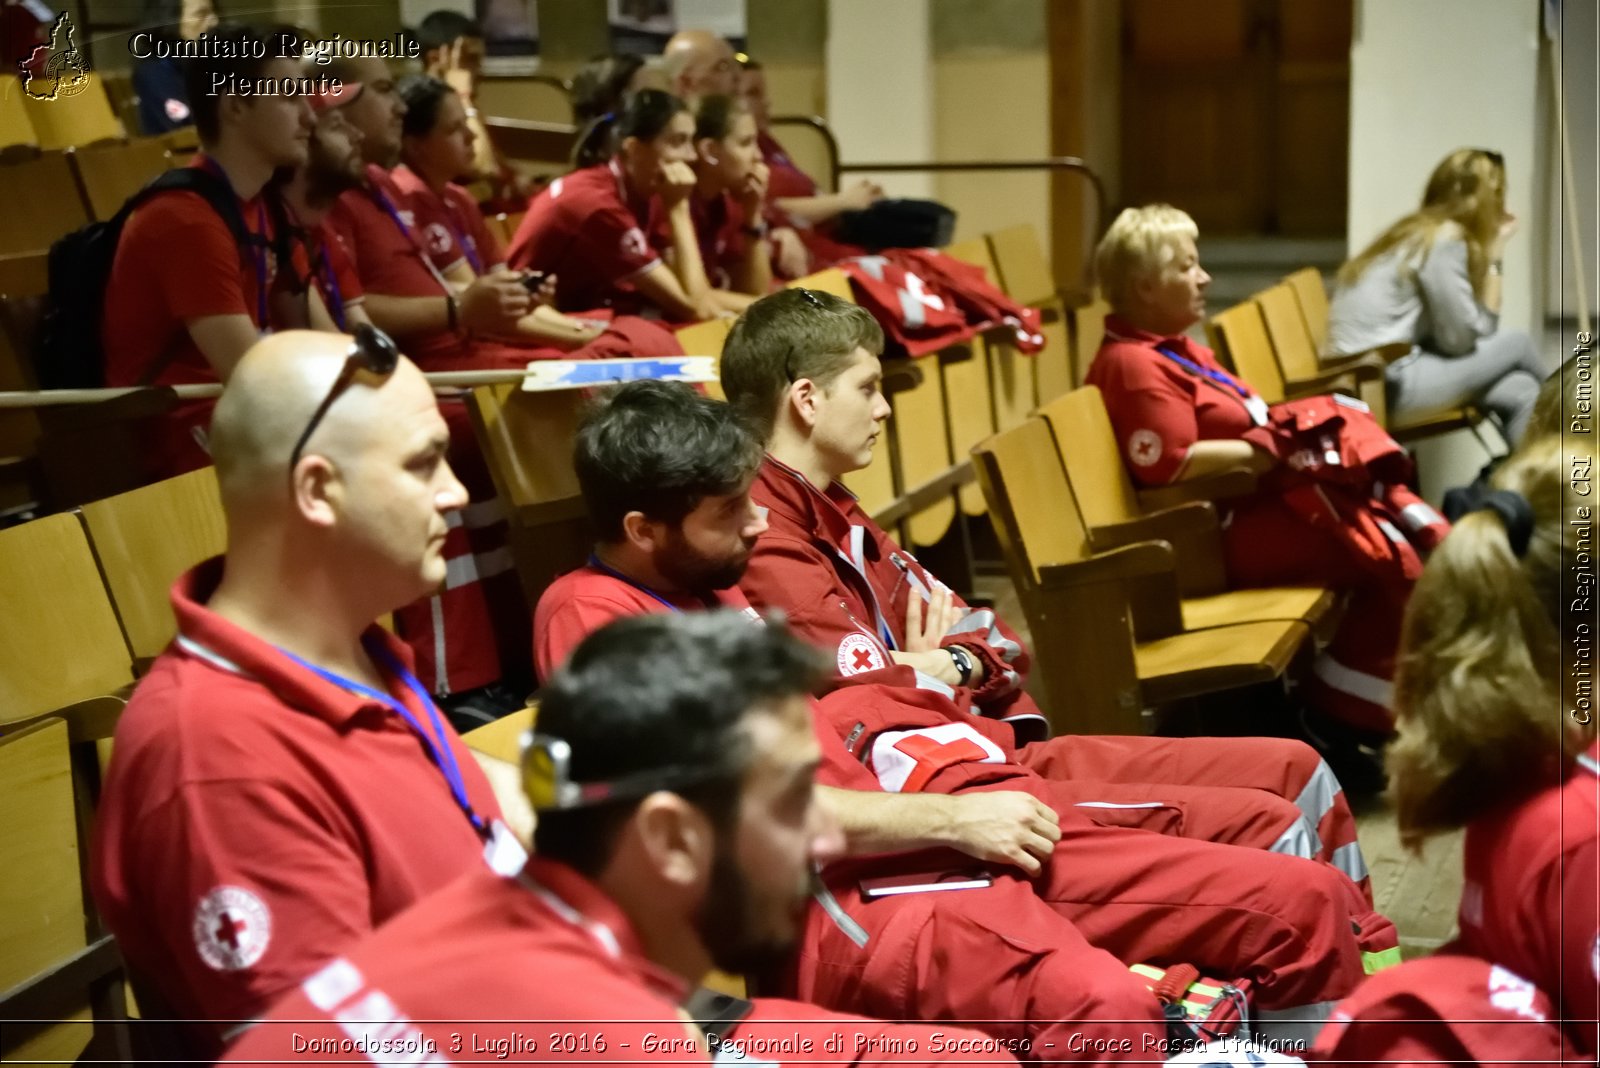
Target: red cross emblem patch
1144, 447
858, 653
231, 928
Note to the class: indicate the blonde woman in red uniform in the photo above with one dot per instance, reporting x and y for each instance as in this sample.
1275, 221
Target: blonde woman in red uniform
1494, 699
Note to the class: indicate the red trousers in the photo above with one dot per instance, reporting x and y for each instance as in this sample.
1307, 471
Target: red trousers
792, 1032
1268, 545
998, 957
1268, 793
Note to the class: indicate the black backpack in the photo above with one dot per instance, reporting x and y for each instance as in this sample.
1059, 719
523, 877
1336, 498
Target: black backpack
898, 224
68, 354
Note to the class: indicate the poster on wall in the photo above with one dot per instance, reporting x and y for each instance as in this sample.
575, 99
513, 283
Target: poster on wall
643, 26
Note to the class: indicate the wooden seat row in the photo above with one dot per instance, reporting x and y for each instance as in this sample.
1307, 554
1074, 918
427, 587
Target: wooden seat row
53, 192
80, 117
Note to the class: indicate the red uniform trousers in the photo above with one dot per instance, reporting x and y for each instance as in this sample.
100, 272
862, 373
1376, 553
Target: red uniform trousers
1267, 545
998, 957
1297, 930
791, 1032
1268, 793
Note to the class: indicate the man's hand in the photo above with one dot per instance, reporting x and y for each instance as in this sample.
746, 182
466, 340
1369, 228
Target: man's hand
674, 182
494, 302
860, 194
926, 627
752, 191
1003, 827
794, 261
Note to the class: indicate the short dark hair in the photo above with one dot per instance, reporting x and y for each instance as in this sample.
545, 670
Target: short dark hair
600, 84
644, 115
423, 93
660, 691
660, 448
787, 336
238, 53
715, 115
441, 28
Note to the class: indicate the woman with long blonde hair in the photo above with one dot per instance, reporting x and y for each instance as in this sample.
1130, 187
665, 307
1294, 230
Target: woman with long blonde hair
1429, 290
1494, 701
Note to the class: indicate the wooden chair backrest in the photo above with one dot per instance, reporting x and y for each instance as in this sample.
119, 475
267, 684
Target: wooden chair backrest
706, 339
41, 898
16, 129
1288, 333
59, 639
1240, 339
527, 442
1087, 445
539, 99
969, 395
81, 118
1031, 500
1020, 265
1088, 328
42, 203
111, 173
1307, 286
144, 539
182, 142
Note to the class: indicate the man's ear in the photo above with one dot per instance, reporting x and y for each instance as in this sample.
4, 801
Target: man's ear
317, 490
642, 532
706, 148
803, 398
677, 840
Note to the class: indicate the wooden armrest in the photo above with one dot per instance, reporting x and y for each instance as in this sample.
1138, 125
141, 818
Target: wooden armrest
1189, 517
1367, 367
900, 375
1235, 482
1328, 382
1129, 561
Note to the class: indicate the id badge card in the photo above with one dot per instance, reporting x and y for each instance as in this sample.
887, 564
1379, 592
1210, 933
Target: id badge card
502, 852
1257, 409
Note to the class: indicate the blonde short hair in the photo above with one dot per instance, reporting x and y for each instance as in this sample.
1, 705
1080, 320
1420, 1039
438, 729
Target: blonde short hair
1139, 242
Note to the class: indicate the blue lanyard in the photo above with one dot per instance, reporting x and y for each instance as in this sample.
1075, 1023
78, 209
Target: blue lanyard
335, 298
436, 740
1221, 379
594, 561
468, 246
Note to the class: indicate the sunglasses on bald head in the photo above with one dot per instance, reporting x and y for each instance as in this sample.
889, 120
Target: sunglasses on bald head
371, 351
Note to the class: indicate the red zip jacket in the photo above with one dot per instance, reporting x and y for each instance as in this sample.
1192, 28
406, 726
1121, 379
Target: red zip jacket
926, 301
844, 587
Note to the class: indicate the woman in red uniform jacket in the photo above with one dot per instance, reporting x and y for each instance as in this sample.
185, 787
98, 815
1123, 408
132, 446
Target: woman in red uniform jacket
730, 193
1179, 415
1495, 702
591, 227
437, 150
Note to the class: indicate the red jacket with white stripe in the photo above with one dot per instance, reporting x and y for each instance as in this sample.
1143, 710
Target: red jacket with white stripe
844, 586
926, 300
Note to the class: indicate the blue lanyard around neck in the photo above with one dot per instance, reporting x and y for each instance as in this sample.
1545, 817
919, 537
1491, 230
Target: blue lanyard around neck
1220, 378
594, 561
436, 740
335, 298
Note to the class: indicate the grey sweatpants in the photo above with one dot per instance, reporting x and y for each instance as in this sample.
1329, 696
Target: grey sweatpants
1502, 375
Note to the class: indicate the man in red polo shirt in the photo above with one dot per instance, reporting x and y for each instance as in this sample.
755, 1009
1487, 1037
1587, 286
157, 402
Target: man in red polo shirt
673, 774
281, 782
184, 301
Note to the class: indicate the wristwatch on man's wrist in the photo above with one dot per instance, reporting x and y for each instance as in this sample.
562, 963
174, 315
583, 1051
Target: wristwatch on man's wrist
963, 662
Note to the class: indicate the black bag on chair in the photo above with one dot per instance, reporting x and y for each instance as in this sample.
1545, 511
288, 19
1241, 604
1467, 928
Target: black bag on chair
899, 224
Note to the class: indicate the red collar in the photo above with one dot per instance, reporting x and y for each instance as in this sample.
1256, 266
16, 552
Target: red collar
586, 906
826, 511
1119, 329
206, 637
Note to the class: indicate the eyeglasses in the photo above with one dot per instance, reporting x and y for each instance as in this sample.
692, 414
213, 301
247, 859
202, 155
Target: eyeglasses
372, 351
547, 777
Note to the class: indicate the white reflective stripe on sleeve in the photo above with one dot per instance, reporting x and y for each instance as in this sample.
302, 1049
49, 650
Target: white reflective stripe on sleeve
1348, 859
1418, 516
1297, 840
333, 985
928, 682
897, 754
1587, 763
976, 621
1348, 680
1316, 797
1391, 533
1297, 1024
